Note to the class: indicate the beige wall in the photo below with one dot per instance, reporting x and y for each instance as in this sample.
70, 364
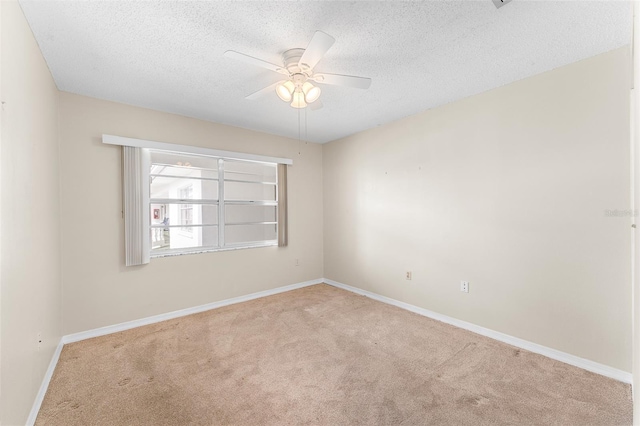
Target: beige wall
98, 289
30, 235
508, 190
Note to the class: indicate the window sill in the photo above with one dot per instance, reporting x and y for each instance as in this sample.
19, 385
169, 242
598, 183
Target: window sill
210, 250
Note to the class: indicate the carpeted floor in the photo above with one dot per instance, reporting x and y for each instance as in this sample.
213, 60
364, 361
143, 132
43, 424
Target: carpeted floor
319, 355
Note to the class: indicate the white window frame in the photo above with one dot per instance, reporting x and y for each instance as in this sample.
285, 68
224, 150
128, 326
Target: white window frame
221, 203
133, 234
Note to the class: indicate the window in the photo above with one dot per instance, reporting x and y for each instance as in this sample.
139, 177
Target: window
203, 203
181, 199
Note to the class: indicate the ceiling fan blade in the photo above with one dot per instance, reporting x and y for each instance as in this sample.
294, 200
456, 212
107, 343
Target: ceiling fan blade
314, 106
254, 61
271, 88
343, 80
318, 46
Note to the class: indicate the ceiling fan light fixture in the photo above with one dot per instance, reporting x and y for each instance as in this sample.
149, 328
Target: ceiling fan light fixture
311, 92
283, 93
285, 90
298, 100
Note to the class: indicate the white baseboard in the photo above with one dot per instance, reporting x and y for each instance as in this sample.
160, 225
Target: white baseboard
35, 408
103, 331
576, 361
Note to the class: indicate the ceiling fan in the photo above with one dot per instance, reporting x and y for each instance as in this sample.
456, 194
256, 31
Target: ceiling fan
298, 68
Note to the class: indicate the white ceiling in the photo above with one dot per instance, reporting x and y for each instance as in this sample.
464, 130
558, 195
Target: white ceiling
168, 55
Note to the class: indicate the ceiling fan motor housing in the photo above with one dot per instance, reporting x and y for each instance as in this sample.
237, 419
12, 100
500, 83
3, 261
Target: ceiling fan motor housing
291, 59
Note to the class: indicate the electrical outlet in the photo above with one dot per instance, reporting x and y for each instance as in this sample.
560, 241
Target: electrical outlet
464, 286
409, 275
39, 341
297, 262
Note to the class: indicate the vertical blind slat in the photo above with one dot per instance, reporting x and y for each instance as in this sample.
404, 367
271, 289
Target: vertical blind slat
136, 205
283, 226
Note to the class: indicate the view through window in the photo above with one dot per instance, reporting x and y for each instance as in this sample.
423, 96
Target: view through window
202, 203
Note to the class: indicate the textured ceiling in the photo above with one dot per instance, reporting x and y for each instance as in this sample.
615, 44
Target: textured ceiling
168, 55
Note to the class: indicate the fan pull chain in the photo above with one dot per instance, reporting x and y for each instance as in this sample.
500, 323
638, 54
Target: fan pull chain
299, 141
306, 140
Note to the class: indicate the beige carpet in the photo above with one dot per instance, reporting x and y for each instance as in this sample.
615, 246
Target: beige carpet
319, 355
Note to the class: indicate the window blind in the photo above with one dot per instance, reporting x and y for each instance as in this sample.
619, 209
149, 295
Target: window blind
136, 201
283, 226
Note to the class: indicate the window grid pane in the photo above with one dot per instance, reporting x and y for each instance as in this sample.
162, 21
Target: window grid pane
245, 216
186, 210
